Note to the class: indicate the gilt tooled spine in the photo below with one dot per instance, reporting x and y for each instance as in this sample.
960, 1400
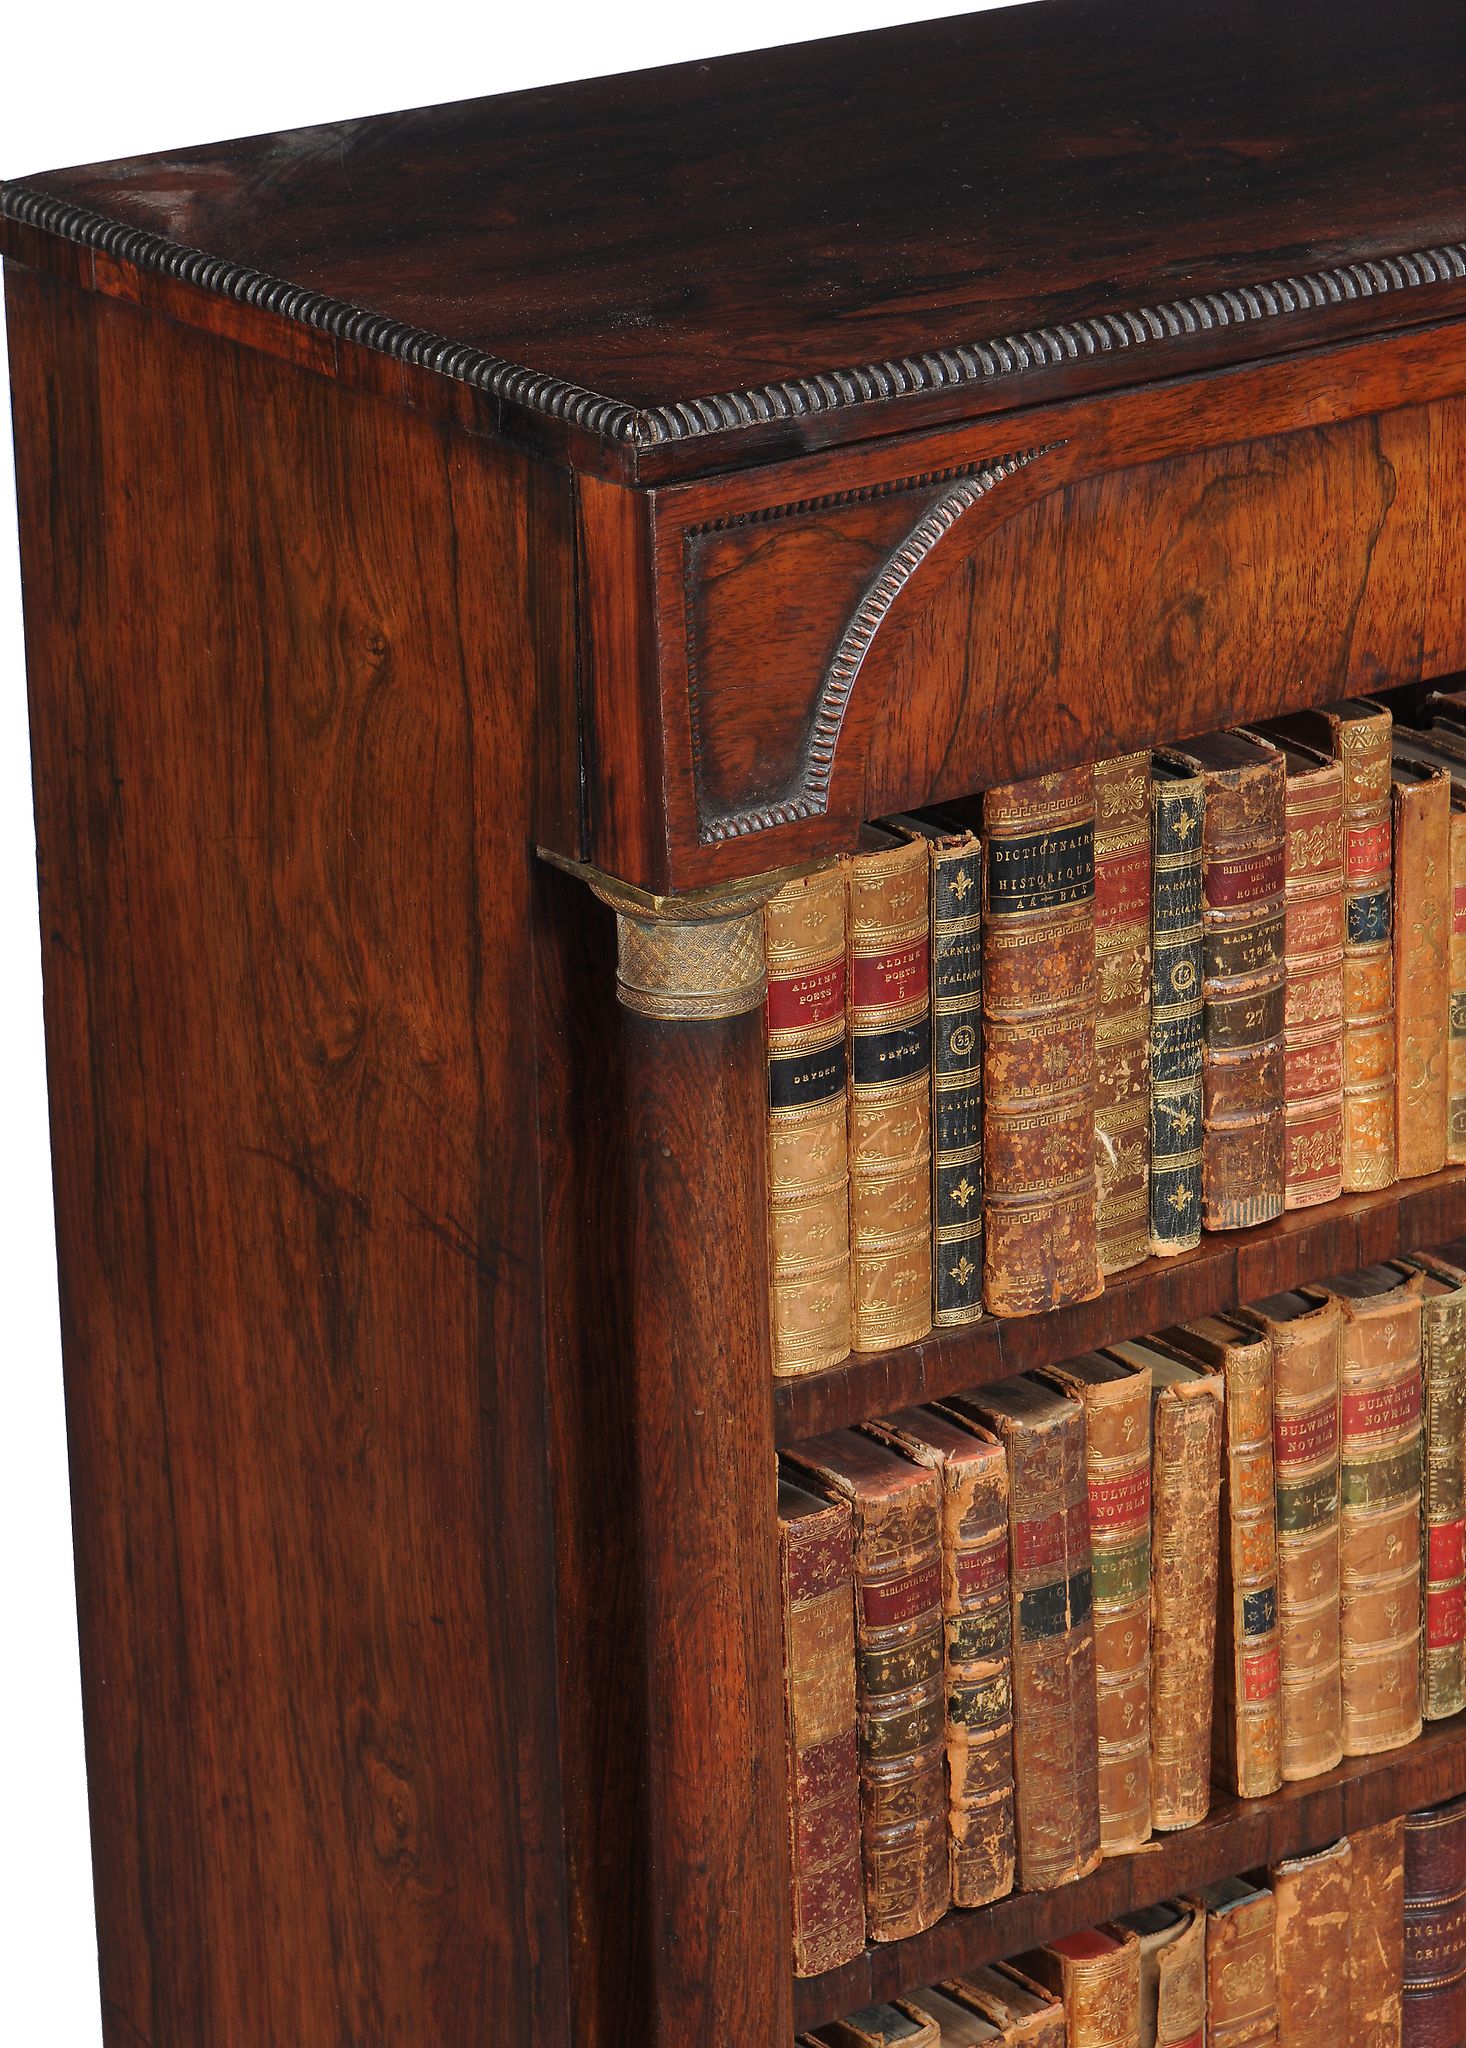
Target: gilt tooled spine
816, 1564
1422, 819
1435, 1926
1376, 1934
1362, 744
957, 1181
1122, 795
1443, 1498
890, 1096
809, 1180
1241, 1975
1456, 1046
1311, 1946
1175, 1015
1252, 1743
1038, 1026
1101, 1990
1313, 1007
1181, 1986
1186, 1482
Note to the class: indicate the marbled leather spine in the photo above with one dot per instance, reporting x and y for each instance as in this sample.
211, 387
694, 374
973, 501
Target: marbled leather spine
1122, 910
1175, 1010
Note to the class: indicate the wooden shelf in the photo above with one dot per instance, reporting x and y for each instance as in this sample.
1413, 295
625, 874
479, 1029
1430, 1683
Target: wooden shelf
1224, 1269
1237, 1835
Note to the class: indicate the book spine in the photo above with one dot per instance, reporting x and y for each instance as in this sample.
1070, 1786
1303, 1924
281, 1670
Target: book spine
1456, 1050
1242, 878
1379, 1523
1443, 1532
1055, 1747
901, 1718
1175, 1016
819, 1700
1313, 1006
1306, 1464
1101, 1992
1187, 1426
978, 1621
1241, 1976
1181, 1989
809, 1180
1122, 796
957, 1196
1376, 1934
890, 1096
1310, 1945
1117, 1431
1435, 1926
1250, 1720
1038, 1027
1363, 746
1422, 817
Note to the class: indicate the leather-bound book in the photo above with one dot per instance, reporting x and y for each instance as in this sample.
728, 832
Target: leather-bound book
889, 1013
1423, 914
1175, 1007
1241, 1971
1172, 1939
1443, 1483
809, 1177
960, 2025
1186, 1477
1025, 2015
1116, 1400
1311, 1946
905, 2023
900, 1717
1097, 1974
1434, 2013
973, 1470
1379, 1519
1055, 1753
1376, 1934
1038, 1044
1247, 1728
955, 855
1304, 1334
1242, 882
1122, 1018
816, 1563
1441, 747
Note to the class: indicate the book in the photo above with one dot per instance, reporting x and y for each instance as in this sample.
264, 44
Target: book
1097, 1975
1376, 1934
1422, 927
1175, 1008
1311, 1946
1358, 736
816, 1573
1242, 881
955, 856
889, 1014
1247, 1730
1055, 1747
1379, 1519
973, 1471
1186, 1477
900, 1719
1241, 1971
808, 1147
902, 2024
1041, 1247
1122, 894
1443, 1483
1172, 1938
960, 2025
1441, 748
1304, 1335
1025, 2015
1434, 2012
1116, 1400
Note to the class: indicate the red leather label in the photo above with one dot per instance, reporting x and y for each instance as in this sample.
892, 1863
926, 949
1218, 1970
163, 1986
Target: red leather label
902, 1599
797, 1001
982, 1571
1246, 878
1299, 1439
899, 977
1367, 850
1120, 1503
1260, 1674
1383, 1409
1122, 889
1051, 1538
1447, 1550
1445, 1616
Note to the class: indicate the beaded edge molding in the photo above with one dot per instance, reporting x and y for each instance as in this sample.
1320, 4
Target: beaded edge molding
794, 398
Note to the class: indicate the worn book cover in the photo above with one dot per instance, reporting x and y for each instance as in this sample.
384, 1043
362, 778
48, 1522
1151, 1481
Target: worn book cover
960, 2025
903, 2024
1055, 1748
1376, 1934
900, 1713
973, 1470
1175, 1007
816, 1570
1442, 747
1435, 1926
1122, 798
809, 1177
1097, 1974
1311, 1946
1116, 1400
1039, 1044
1172, 1939
889, 1015
1304, 1334
1022, 2012
1423, 909
1443, 1486
1241, 1971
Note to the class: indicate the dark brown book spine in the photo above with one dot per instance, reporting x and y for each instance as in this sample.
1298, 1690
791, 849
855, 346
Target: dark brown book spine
1422, 816
1434, 2013
1039, 1044
1376, 1934
1443, 1490
1122, 1029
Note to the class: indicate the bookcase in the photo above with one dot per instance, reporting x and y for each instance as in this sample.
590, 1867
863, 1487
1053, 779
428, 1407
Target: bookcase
470, 556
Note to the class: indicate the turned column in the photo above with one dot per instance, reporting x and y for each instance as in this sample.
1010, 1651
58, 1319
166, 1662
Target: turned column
690, 978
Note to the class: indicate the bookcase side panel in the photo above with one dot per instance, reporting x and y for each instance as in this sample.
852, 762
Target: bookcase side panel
282, 668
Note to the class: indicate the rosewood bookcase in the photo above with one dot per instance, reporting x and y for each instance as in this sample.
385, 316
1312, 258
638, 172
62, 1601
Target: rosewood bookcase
468, 555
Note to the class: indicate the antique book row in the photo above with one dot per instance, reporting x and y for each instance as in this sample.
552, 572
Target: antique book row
1359, 1945
1024, 1041
1027, 1627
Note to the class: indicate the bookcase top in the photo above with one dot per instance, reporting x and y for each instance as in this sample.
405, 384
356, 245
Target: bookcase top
686, 268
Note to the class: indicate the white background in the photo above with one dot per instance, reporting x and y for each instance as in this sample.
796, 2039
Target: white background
84, 84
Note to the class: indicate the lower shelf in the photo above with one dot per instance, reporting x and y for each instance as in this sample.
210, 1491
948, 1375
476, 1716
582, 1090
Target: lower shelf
1237, 1835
